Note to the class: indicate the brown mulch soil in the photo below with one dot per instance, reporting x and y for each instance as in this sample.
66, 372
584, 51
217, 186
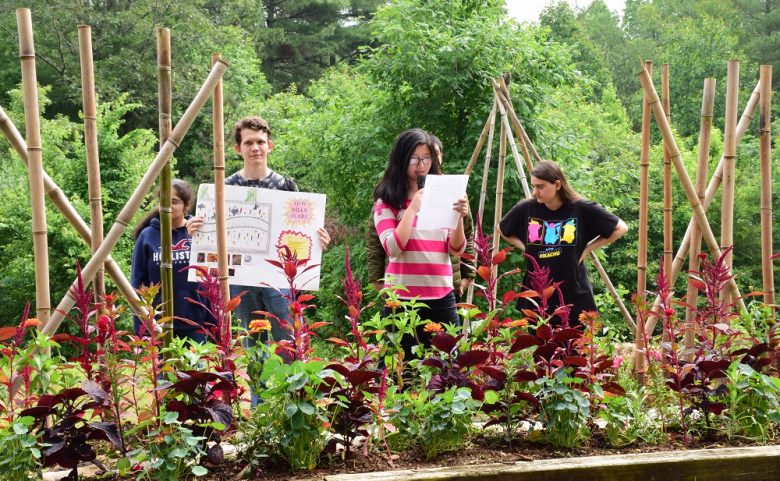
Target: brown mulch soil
482, 450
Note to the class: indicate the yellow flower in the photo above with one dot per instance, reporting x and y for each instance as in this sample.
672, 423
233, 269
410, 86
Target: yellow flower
432, 327
259, 325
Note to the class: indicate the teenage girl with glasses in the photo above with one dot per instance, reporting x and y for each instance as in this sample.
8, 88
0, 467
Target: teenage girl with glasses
418, 259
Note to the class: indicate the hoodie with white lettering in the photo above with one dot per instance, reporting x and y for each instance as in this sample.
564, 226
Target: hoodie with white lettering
146, 271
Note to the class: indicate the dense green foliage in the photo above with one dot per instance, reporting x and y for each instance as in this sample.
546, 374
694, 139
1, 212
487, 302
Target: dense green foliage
338, 79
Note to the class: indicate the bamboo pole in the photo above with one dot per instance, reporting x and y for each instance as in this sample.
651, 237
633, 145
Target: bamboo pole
705, 129
525, 140
765, 153
62, 203
35, 166
730, 165
640, 361
709, 195
164, 127
499, 189
491, 124
93, 159
486, 168
502, 93
132, 204
511, 138
480, 142
218, 122
682, 174
667, 176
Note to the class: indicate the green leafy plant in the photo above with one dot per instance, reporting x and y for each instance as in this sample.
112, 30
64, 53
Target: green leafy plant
171, 451
289, 422
446, 420
564, 409
20, 455
752, 404
628, 419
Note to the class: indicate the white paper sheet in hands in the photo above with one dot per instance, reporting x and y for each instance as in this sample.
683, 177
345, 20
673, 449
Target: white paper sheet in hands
441, 191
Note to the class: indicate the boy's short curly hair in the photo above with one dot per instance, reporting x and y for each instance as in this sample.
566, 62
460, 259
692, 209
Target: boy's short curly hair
252, 122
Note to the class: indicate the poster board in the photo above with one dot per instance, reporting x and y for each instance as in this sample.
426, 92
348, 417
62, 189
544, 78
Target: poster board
257, 221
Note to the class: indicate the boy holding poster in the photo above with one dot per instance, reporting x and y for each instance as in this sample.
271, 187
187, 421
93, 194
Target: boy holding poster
252, 137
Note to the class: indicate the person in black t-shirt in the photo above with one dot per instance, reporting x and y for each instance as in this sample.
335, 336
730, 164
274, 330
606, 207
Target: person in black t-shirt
559, 228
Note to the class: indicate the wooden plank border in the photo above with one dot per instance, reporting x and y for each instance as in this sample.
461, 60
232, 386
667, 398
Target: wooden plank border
724, 464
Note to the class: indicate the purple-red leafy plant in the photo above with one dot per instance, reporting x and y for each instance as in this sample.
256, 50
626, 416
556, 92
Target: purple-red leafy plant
199, 400
219, 330
351, 412
453, 368
63, 422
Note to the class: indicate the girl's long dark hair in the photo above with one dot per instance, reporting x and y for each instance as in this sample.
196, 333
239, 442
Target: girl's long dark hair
392, 189
551, 171
183, 190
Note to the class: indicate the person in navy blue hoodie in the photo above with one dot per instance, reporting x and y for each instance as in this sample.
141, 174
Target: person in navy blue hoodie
146, 263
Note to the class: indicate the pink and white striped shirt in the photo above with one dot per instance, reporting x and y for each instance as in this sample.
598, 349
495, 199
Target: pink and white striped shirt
423, 264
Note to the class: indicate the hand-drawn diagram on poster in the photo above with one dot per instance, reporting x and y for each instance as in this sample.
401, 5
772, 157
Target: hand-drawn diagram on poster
258, 222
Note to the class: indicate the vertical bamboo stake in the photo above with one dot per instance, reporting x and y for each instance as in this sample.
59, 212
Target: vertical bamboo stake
35, 158
667, 176
486, 169
491, 125
218, 122
499, 189
91, 145
166, 240
709, 195
705, 129
640, 362
730, 162
71, 215
765, 152
132, 204
682, 174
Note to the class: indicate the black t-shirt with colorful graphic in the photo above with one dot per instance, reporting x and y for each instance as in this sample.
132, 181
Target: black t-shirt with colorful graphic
557, 239
273, 181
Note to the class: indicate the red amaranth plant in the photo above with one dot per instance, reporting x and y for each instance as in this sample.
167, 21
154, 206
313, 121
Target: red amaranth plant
299, 348
16, 371
488, 263
359, 348
219, 331
542, 287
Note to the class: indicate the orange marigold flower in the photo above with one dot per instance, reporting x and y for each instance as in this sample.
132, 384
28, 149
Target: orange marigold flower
520, 322
432, 327
259, 325
392, 304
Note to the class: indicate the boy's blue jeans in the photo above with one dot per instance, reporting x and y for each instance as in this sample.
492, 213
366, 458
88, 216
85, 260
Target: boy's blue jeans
262, 299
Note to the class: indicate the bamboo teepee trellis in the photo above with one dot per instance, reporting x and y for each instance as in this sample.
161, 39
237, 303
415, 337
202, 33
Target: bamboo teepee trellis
700, 198
509, 122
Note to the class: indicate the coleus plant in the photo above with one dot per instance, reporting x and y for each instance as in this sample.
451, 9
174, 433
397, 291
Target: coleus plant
199, 400
62, 421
